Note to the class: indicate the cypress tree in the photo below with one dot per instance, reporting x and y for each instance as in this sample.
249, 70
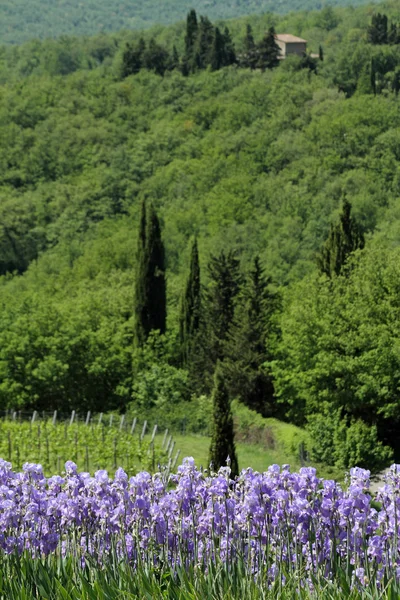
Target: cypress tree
247, 349
204, 45
225, 283
344, 238
217, 57
222, 442
132, 58
268, 51
156, 58
150, 289
140, 282
189, 320
217, 314
249, 56
230, 53
192, 27
378, 30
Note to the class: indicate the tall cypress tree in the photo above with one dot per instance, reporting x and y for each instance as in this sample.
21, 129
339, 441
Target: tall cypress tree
230, 52
344, 238
249, 57
268, 51
222, 442
132, 58
190, 40
189, 319
217, 56
247, 352
217, 313
225, 282
150, 289
204, 44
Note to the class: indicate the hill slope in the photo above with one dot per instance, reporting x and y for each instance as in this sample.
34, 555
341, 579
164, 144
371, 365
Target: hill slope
249, 161
22, 20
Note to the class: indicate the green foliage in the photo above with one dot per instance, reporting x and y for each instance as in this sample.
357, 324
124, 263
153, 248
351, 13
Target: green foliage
190, 311
344, 445
150, 290
247, 346
21, 20
249, 163
156, 383
222, 447
91, 447
268, 51
339, 348
344, 238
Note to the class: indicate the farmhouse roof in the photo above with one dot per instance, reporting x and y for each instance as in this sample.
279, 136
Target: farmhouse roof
288, 38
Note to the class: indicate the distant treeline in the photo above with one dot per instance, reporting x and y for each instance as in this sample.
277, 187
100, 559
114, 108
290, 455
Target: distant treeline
205, 46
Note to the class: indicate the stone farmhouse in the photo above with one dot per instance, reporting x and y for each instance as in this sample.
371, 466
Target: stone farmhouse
290, 44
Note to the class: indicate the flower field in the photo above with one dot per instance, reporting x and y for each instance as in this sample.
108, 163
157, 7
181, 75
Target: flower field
270, 534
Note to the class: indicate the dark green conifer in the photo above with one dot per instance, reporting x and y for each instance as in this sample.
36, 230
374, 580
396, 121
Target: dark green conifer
344, 238
221, 297
222, 446
378, 30
204, 45
132, 58
230, 53
150, 288
188, 62
174, 62
191, 32
268, 51
217, 57
155, 58
217, 313
247, 352
189, 320
321, 53
249, 57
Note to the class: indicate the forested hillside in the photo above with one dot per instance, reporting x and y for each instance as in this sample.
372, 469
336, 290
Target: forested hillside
23, 20
240, 193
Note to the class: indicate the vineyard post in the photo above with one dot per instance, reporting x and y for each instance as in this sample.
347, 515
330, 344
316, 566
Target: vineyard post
47, 450
175, 459
39, 433
121, 424
111, 420
168, 443
34, 416
14, 416
153, 435
115, 452
87, 458
171, 450
87, 418
72, 418
54, 418
133, 425
9, 445
164, 439
143, 431
100, 419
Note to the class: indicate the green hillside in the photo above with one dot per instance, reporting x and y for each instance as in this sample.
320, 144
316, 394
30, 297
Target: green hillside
251, 163
21, 20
